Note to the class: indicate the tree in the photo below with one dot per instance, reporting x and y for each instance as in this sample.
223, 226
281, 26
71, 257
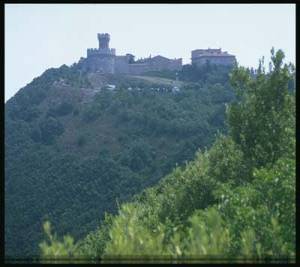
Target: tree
259, 121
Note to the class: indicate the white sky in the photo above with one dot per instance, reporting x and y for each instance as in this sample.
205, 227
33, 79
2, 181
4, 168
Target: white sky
41, 36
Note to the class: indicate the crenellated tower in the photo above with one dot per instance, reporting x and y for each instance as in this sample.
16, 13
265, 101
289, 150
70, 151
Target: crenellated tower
103, 50
101, 59
103, 39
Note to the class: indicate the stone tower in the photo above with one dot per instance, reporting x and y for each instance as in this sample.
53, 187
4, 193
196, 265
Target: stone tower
103, 39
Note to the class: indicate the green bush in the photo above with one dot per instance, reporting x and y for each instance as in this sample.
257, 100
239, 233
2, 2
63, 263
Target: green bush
50, 128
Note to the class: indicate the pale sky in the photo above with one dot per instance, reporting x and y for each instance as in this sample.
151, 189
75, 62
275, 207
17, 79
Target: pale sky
42, 36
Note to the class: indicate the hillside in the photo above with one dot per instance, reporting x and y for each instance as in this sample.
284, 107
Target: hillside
234, 202
75, 147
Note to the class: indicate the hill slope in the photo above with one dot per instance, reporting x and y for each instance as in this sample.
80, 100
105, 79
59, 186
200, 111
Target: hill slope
73, 149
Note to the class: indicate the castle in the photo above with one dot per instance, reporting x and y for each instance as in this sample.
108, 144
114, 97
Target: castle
105, 60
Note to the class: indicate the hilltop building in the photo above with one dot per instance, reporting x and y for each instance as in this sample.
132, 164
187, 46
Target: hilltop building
213, 56
105, 60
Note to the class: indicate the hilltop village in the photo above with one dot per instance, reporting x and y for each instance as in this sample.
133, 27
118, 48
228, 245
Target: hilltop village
104, 59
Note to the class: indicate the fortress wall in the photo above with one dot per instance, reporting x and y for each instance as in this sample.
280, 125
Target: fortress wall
157, 64
136, 69
105, 64
121, 64
171, 65
175, 64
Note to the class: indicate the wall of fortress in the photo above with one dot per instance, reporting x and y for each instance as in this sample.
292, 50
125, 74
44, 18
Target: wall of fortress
157, 64
139, 68
120, 64
166, 64
105, 64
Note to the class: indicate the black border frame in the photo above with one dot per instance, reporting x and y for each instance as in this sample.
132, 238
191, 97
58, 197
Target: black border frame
2, 94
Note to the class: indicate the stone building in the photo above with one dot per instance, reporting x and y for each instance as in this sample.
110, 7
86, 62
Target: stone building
214, 56
105, 60
101, 59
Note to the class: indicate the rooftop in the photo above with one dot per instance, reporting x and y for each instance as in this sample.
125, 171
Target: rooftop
210, 52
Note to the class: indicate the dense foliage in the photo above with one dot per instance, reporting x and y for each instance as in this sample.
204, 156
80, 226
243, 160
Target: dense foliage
72, 154
234, 202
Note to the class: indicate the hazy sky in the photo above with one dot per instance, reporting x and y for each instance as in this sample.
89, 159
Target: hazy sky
38, 37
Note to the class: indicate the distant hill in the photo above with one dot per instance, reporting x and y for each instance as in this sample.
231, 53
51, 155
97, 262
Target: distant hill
77, 144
